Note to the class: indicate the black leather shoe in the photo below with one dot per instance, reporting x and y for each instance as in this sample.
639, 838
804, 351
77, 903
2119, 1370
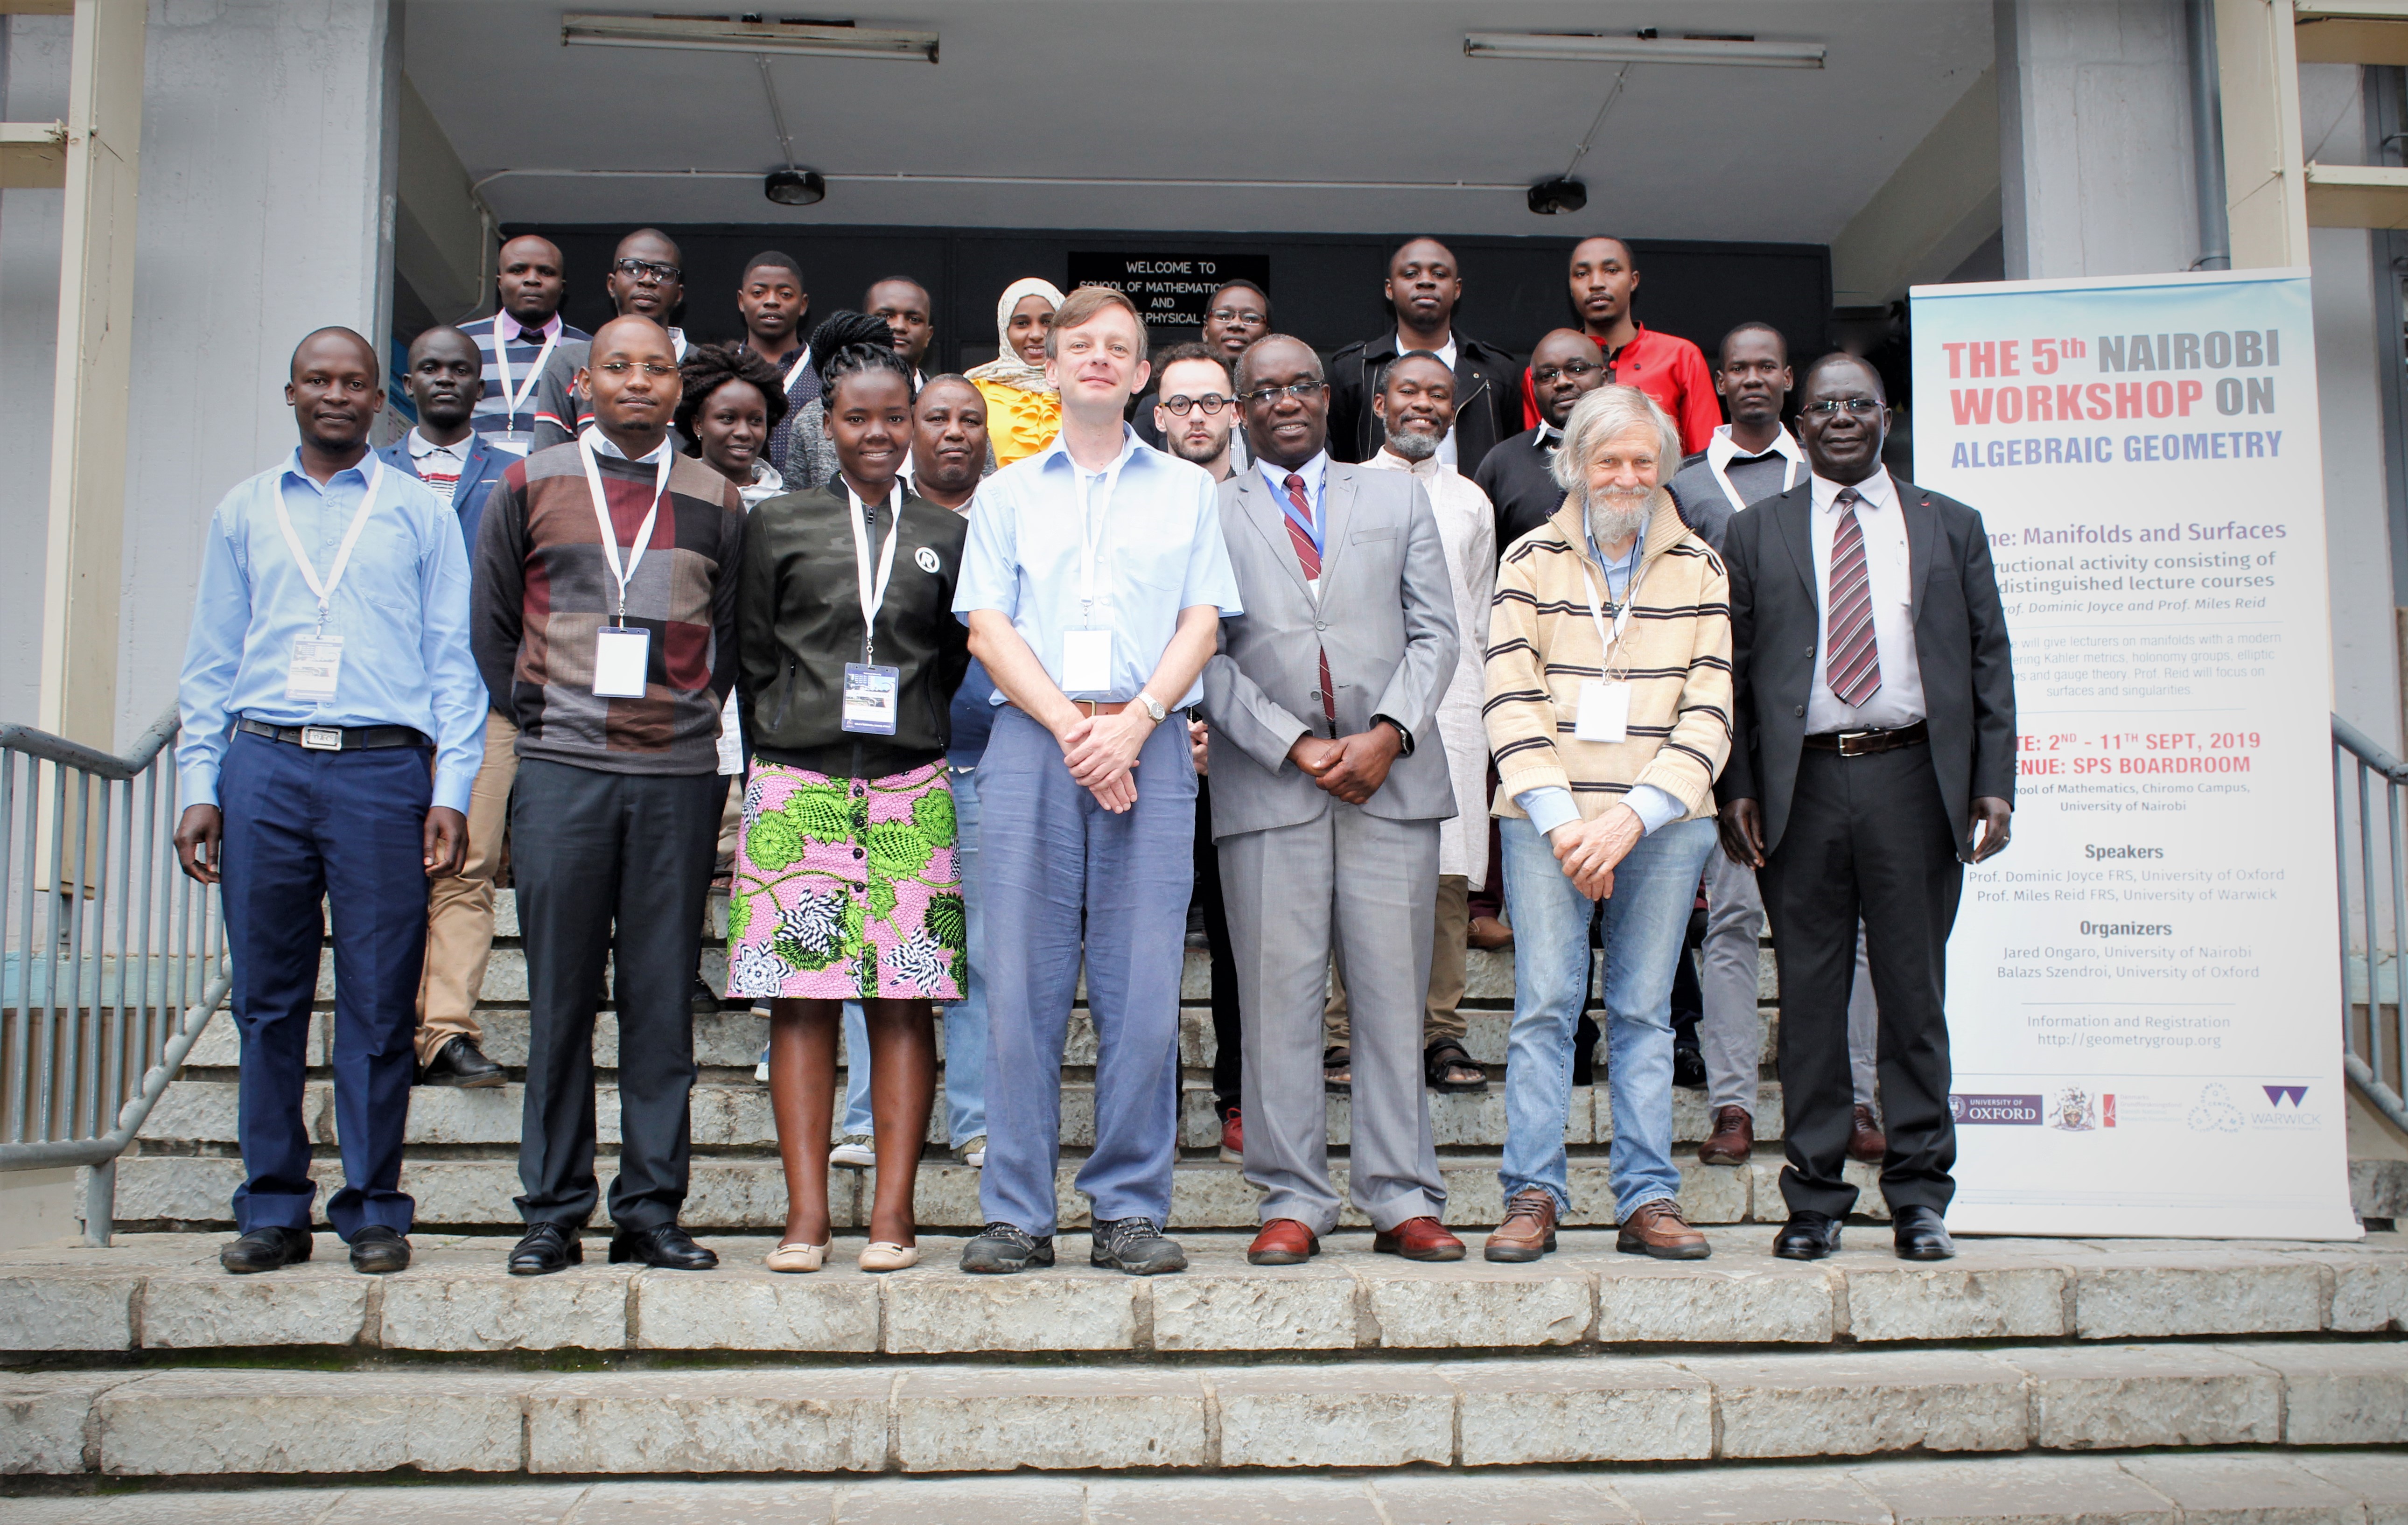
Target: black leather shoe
545, 1247
1920, 1234
1807, 1236
266, 1249
669, 1246
461, 1063
378, 1251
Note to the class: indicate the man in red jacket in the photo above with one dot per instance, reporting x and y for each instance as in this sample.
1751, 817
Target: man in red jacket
1604, 276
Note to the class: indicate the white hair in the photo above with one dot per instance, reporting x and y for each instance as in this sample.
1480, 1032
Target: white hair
1606, 414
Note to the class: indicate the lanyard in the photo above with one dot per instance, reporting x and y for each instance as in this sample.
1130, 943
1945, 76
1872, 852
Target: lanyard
794, 371
1091, 533
514, 400
873, 598
602, 517
1789, 474
1630, 594
1311, 524
325, 591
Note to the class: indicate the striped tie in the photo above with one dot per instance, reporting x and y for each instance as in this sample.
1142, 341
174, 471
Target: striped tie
1308, 555
1854, 665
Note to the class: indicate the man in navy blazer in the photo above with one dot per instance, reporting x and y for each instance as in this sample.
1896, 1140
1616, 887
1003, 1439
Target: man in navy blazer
445, 378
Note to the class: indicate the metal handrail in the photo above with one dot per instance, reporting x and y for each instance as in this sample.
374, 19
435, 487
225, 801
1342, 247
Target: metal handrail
104, 991
2372, 881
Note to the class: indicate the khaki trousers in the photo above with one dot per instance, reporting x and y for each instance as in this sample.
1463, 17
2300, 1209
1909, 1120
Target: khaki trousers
1442, 1017
460, 909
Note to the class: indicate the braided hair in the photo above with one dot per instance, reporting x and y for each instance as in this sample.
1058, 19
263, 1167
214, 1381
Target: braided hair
853, 343
707, 367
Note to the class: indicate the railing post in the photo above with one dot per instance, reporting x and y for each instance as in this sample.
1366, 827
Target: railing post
99, 1204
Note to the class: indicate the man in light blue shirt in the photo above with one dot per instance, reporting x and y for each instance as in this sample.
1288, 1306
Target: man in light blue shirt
1094, 585
332, 724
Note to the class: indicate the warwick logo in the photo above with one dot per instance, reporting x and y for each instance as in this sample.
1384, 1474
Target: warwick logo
2277, 1095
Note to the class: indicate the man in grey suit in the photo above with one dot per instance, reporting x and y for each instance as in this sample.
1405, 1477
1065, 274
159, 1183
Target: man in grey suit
1328, 786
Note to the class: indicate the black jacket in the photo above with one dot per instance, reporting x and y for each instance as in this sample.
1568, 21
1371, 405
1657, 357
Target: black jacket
1487, 393
798, 623
1960, 644
1519, 477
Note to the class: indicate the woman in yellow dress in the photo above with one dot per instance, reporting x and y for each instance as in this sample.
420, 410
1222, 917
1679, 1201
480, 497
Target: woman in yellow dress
1024, 411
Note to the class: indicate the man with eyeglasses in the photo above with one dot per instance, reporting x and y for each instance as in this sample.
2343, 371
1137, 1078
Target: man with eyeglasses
1872, 756
1603, 277
1423, 287
1519, 476
1240, 314
518, 342
645, 280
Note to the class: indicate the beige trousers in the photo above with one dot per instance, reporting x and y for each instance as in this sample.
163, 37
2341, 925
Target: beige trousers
460, 909
1450, 939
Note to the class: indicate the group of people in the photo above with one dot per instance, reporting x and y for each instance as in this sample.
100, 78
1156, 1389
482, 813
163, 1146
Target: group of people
894, 659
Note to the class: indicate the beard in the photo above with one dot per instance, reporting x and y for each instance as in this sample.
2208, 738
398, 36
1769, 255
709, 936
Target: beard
1413, 444
1613, 513
1203, 454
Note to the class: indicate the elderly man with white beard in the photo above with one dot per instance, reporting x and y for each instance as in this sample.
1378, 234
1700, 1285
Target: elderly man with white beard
1613, 616
1415, 406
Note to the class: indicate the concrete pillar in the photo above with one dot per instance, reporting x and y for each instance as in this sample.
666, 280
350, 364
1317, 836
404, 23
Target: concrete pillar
2094, 138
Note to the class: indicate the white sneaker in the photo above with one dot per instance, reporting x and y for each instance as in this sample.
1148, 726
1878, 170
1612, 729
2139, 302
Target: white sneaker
761, 1073
858, 1150
973, 1153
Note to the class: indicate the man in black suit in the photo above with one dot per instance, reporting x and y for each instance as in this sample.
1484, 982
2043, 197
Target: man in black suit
1872, 757
1424, 284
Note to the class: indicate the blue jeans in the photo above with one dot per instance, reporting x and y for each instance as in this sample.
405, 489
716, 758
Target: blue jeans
965, 1019
1645, 920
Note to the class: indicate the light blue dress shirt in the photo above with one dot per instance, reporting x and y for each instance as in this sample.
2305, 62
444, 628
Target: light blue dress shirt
1549, 807
1159, 551
1315, 474
401, 610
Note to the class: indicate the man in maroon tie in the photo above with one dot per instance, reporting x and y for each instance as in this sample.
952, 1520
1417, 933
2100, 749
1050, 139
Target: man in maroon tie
1872, 757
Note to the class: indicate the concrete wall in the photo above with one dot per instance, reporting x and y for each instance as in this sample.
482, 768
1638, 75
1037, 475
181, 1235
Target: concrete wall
35, 90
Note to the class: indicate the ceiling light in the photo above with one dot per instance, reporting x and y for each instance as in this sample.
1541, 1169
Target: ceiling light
1561, 195
1583, 49
711, 35
794, 187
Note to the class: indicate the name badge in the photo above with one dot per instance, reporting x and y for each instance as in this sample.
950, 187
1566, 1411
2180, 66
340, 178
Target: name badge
621, 661
1086, 661
516, 443
316, 665
1604, 711
869, 698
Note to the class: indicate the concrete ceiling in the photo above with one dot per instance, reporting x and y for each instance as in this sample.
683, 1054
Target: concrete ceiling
1347, 91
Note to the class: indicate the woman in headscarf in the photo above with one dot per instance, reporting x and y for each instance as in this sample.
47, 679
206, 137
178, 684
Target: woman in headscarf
1024, 413
810, 456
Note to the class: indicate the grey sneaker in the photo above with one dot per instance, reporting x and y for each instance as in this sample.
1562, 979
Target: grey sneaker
973, 1153
1136, 1246
858, 1150
1001, 1249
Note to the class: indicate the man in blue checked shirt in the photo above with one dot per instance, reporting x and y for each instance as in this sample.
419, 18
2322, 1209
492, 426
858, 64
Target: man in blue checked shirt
333, 723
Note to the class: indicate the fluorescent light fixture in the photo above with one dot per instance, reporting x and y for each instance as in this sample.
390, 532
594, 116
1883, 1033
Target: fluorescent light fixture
703, 33
1582, 48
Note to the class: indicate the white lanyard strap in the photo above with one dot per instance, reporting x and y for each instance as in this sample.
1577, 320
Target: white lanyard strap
516, 400
1091, 531
873, 596
1630, 594
794, 371
602, 517
326, 590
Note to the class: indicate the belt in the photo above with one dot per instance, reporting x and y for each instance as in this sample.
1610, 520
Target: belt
1093, 707
337, 738
1865, 743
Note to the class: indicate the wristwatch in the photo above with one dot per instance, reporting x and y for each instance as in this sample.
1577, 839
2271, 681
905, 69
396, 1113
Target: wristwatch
1153, 711
1403, 735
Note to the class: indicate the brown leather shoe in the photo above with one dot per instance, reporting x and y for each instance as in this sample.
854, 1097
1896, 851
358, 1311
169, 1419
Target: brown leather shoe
1284, 1242
1418, 1239
1865, 1140
1489, 933
1528, 1230
1732, 1139
1658, 1230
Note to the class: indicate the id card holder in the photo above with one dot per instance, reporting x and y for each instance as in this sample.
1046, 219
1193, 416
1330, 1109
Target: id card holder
1604, 711
1086, 661
514, 441
621, 661
869, 698
317, 663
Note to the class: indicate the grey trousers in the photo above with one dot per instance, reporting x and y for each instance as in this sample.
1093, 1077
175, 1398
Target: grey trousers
1291, 905
1731, 1033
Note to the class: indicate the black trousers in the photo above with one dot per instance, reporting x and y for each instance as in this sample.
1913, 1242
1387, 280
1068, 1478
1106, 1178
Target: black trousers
609, 864
1865, 836
1229, 1059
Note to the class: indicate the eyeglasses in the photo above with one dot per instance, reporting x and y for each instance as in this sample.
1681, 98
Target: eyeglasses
1229, 317
645, 270
1858, 405
1266, 397
1548, 375
1211, 402
653, 369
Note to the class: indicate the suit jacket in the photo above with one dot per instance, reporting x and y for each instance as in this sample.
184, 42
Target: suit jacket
1386, 619
1960, 641
483, 468
1487, 399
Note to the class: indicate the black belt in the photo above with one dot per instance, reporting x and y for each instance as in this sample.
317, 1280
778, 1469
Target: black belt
1865, 743
337, 738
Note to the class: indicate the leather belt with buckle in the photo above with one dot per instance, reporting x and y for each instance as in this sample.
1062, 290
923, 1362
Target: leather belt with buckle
1095, 707
337, 738
1865, 743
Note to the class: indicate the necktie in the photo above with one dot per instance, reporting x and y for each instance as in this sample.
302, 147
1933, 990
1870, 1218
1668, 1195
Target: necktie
1853, 668
1308, 555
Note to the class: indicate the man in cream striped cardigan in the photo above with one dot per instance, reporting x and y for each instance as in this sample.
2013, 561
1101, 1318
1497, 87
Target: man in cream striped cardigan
1609, 712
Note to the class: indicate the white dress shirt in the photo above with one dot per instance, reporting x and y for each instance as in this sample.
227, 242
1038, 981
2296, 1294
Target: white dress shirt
1899, 700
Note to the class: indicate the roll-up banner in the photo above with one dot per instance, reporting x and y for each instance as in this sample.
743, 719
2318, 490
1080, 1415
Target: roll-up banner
2143, 989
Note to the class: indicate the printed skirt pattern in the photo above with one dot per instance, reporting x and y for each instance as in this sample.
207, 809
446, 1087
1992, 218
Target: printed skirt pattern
847, 889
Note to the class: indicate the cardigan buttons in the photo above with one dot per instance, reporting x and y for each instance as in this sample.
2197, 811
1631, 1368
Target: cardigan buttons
1802, 711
